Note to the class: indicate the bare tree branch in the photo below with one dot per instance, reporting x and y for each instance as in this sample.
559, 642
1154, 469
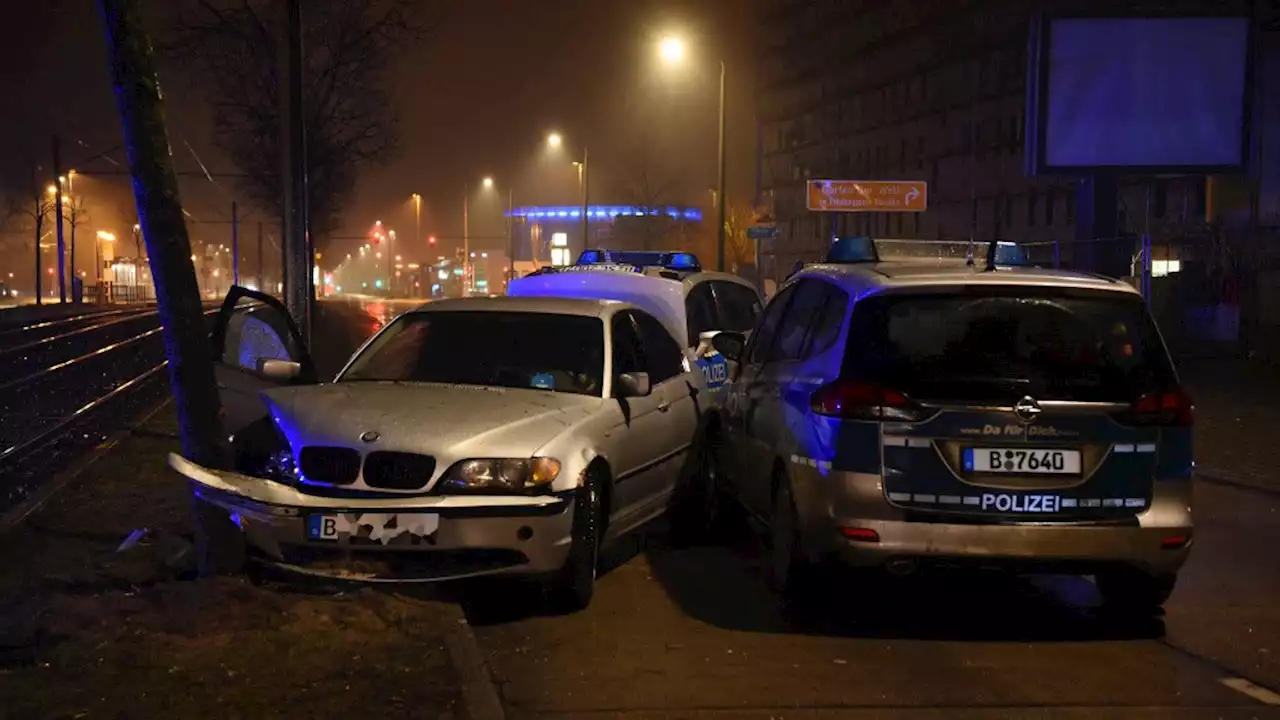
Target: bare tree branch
228, 50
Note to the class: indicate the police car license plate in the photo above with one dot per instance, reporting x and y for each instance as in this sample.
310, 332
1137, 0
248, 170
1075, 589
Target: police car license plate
1022, 461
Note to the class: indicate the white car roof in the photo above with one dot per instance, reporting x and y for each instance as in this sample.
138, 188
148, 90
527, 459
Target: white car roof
657, 292
661, 297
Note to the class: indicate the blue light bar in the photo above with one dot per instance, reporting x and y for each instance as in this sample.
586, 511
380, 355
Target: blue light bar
1009, 254
857, 249
604, 212
678, 261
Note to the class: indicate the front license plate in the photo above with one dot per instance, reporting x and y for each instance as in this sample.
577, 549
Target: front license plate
1022, 461
377, 528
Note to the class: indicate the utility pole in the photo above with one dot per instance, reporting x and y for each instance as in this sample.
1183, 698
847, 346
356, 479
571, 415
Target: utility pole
297, 238
235, 245
586, 197
262, 267
39, 211
721, 198
185, 329
71, 212
57, 210
466, 241
511, 234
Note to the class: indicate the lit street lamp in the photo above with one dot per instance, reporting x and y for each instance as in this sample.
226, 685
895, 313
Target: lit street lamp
673, 51
554, 140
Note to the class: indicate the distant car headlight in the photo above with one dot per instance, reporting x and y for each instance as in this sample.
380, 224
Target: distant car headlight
500, 475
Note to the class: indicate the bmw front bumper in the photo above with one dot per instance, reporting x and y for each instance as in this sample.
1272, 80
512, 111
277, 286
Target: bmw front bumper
409, 539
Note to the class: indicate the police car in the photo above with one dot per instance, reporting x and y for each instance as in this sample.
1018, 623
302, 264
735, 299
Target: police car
693, 303
897, 415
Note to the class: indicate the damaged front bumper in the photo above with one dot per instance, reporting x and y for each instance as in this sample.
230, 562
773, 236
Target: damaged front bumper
390, 539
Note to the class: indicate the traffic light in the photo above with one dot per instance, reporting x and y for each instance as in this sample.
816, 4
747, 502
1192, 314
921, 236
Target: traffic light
431, 240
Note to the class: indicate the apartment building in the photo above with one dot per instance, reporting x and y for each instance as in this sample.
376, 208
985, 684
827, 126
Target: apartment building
931, 90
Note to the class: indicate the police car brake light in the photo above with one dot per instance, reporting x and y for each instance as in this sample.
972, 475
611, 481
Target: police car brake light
1171, 408
854, 400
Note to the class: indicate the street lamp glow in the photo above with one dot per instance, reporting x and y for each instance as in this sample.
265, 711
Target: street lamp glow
555, 140
672, 50
53, 190
488, 183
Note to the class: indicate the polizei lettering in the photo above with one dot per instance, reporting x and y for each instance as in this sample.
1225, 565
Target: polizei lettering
1006, 502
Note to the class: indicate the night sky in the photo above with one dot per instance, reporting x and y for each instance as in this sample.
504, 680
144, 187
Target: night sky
475, 98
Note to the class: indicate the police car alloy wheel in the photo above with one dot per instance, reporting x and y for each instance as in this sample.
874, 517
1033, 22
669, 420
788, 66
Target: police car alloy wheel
789, 572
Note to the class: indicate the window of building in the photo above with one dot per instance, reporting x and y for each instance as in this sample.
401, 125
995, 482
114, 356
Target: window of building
1050, 201
1033, 199
920, 152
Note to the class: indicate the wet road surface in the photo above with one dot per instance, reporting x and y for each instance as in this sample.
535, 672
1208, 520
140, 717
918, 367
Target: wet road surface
695, 632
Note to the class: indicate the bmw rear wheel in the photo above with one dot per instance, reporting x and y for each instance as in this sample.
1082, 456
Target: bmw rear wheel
696, 507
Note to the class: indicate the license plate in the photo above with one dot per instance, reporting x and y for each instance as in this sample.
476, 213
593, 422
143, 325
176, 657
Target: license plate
374, 527
1022, 461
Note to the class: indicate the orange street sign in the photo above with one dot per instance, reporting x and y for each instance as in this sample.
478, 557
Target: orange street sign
868, 195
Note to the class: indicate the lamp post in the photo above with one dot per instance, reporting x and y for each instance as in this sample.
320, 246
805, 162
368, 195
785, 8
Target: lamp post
673, 51
467, 266
555, 141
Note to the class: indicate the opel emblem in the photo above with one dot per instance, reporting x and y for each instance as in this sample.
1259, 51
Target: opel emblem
1027, 410
371, 436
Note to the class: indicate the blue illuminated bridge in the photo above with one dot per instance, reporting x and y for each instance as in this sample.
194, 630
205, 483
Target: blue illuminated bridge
604, 212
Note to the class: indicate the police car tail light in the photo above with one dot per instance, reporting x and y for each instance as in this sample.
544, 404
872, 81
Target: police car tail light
1171, 408
864, 401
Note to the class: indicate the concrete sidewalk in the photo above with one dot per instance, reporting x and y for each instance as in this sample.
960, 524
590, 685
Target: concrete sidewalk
94, 630
1237, 420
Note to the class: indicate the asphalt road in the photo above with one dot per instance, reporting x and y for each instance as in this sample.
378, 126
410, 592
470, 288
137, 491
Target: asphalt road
695, 632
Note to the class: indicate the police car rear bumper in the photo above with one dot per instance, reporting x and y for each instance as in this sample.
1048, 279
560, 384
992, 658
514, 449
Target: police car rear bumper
862, 529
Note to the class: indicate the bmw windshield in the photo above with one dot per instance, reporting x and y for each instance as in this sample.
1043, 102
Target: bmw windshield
557, 353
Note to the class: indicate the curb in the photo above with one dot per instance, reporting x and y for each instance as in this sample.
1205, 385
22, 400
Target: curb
14, 517
1215, 477
479, 693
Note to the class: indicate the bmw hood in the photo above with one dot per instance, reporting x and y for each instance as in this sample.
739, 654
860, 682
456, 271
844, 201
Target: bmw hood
428, 418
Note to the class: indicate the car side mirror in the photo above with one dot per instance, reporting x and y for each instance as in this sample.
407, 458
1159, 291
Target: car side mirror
633, 385
705, 342
282, 370
730, 345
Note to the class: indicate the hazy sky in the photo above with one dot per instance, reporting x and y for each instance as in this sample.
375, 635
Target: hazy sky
475, 98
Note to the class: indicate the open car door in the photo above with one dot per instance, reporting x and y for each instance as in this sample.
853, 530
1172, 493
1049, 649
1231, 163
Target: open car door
256, 347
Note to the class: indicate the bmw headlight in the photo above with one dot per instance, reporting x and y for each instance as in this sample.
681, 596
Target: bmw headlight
261, 450
501, 475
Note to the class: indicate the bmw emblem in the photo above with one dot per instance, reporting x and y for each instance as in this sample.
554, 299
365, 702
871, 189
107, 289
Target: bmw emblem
371, 436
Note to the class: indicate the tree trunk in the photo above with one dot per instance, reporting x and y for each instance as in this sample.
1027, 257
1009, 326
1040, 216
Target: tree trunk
186, 333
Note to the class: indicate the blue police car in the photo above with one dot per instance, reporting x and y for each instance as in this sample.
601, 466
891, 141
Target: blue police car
901, 414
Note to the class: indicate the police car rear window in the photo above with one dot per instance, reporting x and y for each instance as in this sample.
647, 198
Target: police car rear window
998, 345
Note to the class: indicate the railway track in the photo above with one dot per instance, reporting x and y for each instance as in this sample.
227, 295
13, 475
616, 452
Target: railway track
68, 384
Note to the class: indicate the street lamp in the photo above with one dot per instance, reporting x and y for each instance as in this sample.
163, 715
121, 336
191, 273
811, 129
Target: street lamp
554, 140
673, 51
